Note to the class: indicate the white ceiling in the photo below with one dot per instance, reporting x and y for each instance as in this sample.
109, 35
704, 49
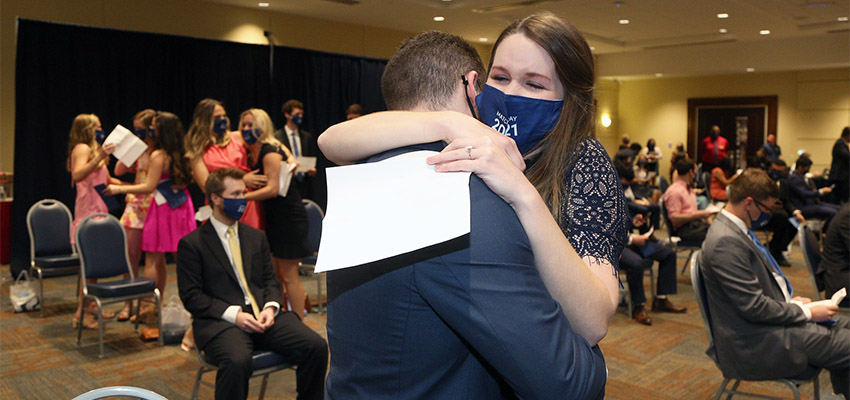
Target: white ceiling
656, 28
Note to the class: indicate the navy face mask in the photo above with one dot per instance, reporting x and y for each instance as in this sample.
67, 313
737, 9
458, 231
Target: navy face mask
234, 208
761, 220
250, 136
776, 175
525, 120
220, 126
141, 133
297, 119
99, 135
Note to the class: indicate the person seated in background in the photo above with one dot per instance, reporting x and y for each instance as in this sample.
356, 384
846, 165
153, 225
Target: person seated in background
760, 160
353, 111
836, 253
636, 257
653, 156
760, 331
625, 156
771, 150
637, 204
679, 154
625, 141
722, 176
225, 275
807, 199
680, 201
783, 230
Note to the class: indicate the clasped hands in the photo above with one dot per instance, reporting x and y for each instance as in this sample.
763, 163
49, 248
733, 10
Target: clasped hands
247, 322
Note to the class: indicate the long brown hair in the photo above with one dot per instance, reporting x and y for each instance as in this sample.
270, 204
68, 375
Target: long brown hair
574, 66
200, 132
82, 131
169, 138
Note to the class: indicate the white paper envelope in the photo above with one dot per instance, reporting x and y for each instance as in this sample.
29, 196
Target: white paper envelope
128, 147
395, 206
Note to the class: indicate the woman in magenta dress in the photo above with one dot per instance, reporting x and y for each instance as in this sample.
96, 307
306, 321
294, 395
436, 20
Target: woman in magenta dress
87, 165
210, 146
170, 213
133, 219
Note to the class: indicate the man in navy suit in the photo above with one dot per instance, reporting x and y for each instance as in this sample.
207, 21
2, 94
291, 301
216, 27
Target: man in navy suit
468, 318
226, 280
807, 199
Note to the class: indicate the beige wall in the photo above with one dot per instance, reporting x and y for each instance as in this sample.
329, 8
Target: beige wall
813, 107
181, 17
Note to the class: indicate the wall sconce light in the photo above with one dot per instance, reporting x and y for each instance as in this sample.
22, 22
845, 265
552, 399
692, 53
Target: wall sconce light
606, 120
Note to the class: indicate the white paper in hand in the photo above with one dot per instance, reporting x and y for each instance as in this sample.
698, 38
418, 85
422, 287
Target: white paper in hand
833, 301
128, 147
285, 178
306, 163
395, 206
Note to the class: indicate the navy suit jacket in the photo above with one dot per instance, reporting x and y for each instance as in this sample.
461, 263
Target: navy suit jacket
469, 318
801, 194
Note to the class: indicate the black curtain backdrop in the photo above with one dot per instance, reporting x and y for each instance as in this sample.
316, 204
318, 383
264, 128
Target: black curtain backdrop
64, 70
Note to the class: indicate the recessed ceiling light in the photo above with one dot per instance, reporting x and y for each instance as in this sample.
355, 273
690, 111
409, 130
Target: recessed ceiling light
751, 69
624, 22
481, 39
439, 19
842, 19
764, 32
263, 4
722, 15
723, 30
658, 75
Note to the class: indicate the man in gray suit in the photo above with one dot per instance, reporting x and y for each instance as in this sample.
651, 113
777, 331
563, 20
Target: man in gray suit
760, 330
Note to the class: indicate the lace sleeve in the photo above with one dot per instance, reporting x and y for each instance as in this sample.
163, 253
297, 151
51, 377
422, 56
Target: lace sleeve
594, 210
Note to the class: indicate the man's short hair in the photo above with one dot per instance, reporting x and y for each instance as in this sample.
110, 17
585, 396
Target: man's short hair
625, 170
215, 181
684, 166
845, 132
804, 162
291, 105
780, 162
426, 71
755, 183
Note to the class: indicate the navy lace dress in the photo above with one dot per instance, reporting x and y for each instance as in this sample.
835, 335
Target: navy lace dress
593, 212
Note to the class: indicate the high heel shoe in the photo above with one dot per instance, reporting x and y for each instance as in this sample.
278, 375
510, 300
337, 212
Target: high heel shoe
90, 324
188, 341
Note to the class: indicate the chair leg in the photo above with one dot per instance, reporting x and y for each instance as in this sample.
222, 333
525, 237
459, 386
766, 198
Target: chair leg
197, 386
158, 301
734, 389
794, 389
266, 381
40, 292
816, 383
138, 308
721, 389
82, 318
99, 326
687, 262
319, 286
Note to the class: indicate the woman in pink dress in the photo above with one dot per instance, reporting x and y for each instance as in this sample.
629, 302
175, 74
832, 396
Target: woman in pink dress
170, 213
136, 207
87, 165
210, 146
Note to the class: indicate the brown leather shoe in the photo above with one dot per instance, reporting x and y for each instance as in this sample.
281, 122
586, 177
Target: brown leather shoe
665, 305
640, 315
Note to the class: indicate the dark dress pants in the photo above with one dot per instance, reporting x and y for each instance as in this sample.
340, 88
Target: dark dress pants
783, 232
634, 263
231, 351
693, 231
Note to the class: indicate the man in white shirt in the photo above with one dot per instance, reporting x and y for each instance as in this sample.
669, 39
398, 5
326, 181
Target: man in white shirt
226, 280
300, 142
760, 330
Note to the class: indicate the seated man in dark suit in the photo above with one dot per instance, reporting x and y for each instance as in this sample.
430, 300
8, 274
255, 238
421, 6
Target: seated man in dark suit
225, 276
760, 330
807, 199
468, 318
836, 253
783, 230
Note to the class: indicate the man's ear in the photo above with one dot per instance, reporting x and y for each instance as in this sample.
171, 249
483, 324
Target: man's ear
471, 88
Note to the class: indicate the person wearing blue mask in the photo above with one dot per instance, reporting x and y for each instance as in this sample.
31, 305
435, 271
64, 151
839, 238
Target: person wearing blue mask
87, 165
299, 142
285, 216
761, 330
570, 200
136, 205
226, 281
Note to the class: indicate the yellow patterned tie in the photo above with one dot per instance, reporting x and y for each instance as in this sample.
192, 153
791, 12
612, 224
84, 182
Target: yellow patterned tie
237, 260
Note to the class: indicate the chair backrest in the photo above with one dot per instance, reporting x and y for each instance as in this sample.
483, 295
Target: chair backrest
699, 292
120, 391
811, 254
663, 184
102, 244
49, 227
314, 221
667, 221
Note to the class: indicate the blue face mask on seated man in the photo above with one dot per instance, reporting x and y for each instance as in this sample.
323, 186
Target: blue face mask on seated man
761, 220
99, 135
220, 126
524, 119
234, 208
250, 136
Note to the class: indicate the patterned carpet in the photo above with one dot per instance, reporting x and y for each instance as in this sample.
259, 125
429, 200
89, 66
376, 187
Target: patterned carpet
39, 358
